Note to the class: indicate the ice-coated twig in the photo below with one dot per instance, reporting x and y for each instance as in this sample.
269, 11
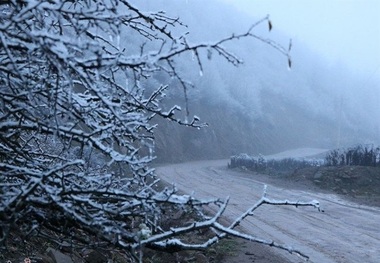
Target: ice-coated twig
77, 119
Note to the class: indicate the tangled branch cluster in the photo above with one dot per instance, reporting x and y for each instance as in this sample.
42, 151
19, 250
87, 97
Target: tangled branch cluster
77, 105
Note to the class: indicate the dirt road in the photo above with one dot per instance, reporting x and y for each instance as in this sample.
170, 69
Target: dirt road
344, 232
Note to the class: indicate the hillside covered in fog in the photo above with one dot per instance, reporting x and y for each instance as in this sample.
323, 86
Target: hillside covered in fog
262, 106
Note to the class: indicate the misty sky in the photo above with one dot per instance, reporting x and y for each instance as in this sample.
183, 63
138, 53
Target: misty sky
346, 32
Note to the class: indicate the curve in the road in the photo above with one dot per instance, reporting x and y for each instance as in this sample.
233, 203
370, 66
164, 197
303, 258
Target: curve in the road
344, 232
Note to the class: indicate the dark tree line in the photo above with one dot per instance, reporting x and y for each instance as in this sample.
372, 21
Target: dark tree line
363, 155
360, 155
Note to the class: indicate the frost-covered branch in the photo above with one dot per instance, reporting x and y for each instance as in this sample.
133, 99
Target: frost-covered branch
165, 241
81, 85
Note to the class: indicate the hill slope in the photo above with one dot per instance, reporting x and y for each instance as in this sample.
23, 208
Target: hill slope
260, 107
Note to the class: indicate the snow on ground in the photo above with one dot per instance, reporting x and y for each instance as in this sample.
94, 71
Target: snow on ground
344, 232
299, 153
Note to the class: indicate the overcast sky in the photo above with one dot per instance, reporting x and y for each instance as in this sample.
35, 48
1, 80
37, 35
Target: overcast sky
344, 31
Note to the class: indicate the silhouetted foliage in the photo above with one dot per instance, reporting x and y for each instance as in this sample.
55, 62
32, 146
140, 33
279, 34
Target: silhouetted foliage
363, 155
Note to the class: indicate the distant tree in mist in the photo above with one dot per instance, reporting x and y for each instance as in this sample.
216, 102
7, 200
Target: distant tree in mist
80, 88
360, 155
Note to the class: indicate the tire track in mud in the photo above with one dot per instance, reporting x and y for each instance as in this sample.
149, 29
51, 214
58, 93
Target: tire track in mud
336, 226
267, 229
344, 232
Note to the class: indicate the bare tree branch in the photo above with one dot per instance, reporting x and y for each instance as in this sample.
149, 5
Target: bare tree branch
77, 106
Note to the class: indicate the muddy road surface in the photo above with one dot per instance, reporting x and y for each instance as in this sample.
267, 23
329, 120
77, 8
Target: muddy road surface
343, 232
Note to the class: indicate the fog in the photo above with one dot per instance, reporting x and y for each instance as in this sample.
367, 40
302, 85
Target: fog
329, 98
343, 32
